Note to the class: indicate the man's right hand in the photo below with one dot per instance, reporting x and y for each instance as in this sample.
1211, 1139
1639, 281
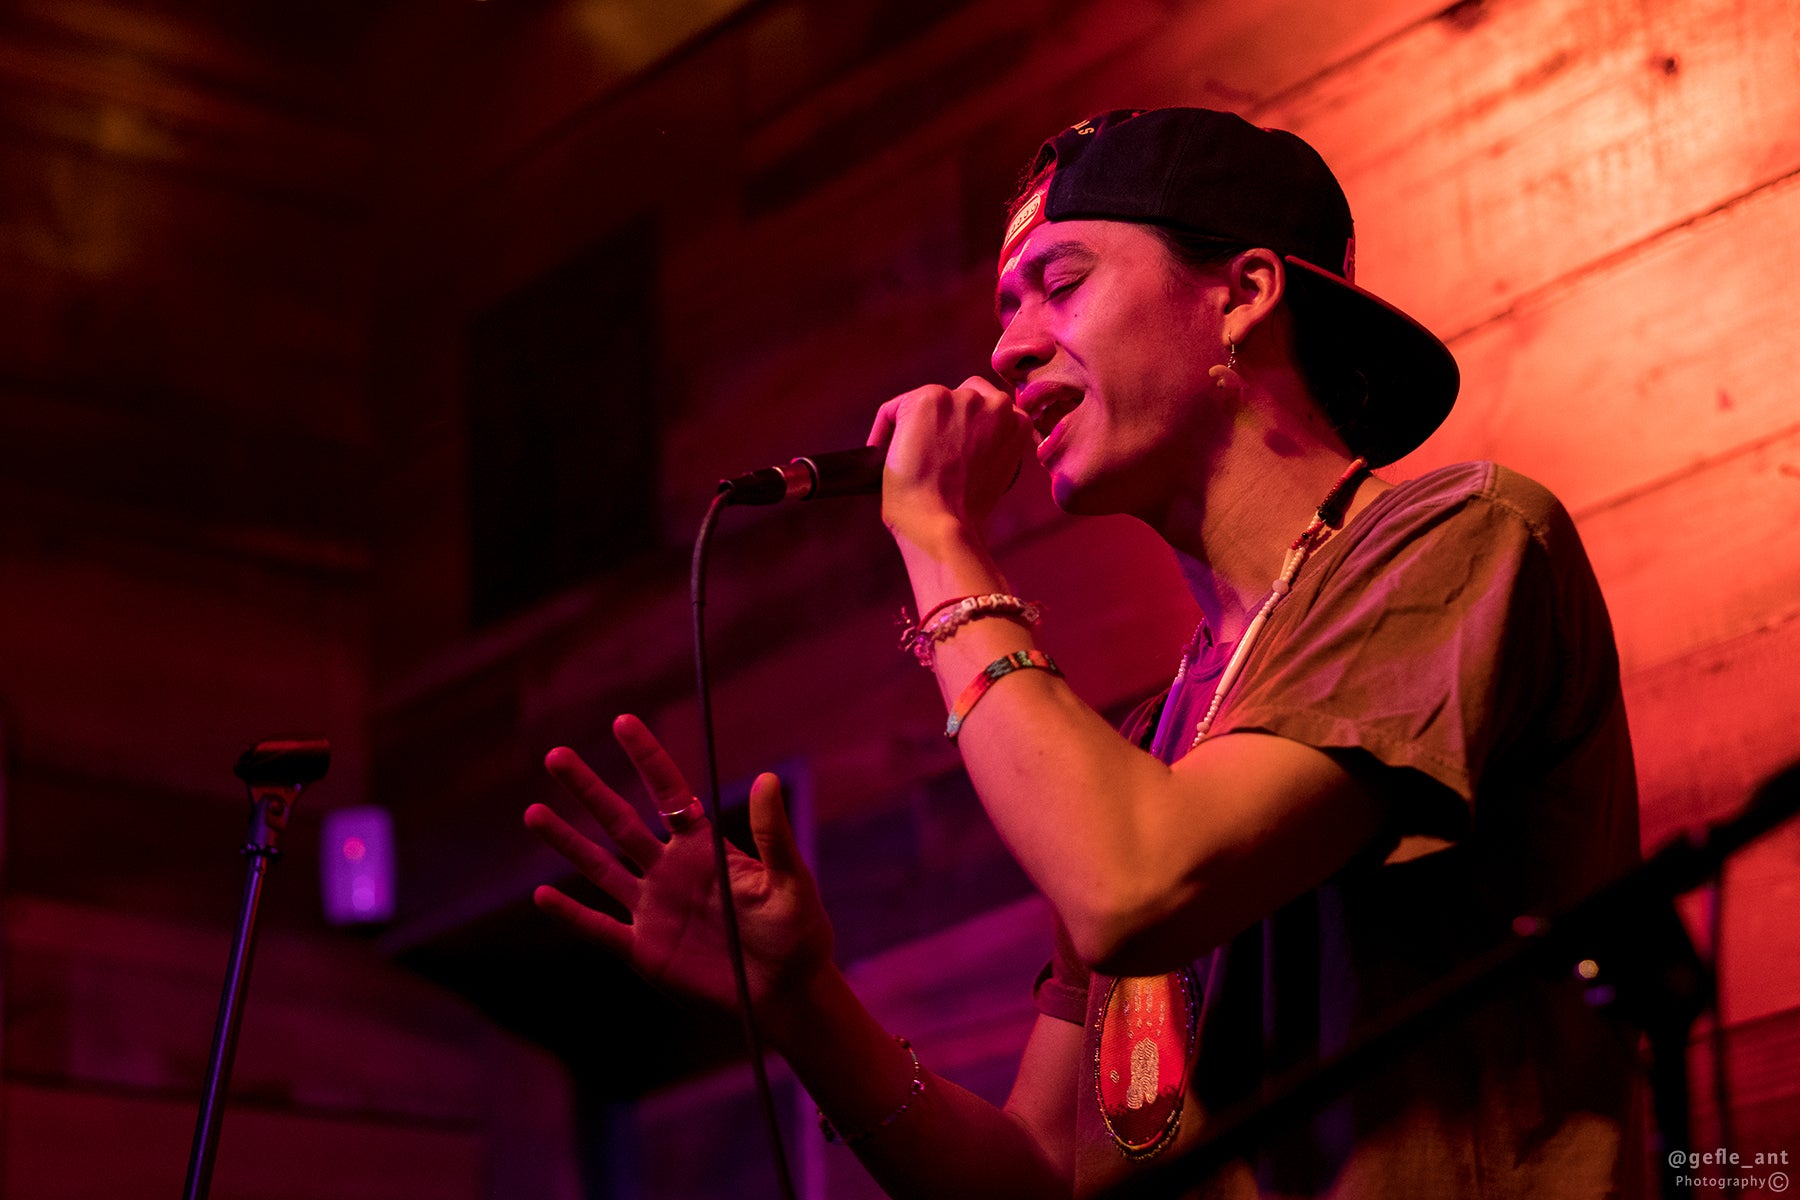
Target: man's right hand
952, 453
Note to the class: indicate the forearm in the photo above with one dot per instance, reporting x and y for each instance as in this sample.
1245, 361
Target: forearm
1146, 864
946, 1143
1074, 802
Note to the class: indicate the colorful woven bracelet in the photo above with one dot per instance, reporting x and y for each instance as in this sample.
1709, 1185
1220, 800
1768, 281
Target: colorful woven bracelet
1000, 668
918, 1086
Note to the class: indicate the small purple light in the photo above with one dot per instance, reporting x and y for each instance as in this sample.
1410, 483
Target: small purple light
357, 881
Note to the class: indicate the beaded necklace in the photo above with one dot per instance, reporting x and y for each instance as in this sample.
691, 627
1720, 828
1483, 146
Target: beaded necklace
1329, 517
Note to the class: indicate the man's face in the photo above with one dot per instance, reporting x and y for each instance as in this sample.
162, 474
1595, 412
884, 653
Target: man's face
1108, 343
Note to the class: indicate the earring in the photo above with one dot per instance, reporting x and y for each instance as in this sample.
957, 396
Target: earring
1225, 374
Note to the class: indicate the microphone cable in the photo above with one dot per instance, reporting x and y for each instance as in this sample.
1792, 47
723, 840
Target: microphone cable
733, 941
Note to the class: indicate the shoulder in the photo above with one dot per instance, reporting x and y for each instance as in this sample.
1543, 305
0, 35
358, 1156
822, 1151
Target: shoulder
1431, 630
1481, 487
1487, 549
1469, 506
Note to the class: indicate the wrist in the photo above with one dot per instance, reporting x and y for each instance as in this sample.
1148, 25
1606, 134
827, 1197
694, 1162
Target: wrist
947, 558
929, 530
802, 1006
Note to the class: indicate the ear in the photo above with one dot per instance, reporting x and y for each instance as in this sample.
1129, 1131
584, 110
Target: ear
1255, 281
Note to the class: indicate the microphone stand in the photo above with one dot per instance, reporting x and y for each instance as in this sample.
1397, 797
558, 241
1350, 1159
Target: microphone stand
1652, 976
274, 774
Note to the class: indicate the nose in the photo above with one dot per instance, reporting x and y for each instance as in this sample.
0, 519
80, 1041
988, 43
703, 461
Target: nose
1024, 345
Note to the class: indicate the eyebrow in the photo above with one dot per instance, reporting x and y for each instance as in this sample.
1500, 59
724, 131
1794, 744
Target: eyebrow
1032, 267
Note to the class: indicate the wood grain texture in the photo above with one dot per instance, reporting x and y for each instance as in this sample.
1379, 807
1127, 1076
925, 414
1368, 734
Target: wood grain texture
73, 1145
1641, 367
1703, 557
141, 678
1490, 152
103, 1000
353, 1077
1759, 971
1707, 729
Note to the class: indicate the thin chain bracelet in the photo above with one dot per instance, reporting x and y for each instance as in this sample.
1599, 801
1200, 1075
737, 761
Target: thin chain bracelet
918, 1086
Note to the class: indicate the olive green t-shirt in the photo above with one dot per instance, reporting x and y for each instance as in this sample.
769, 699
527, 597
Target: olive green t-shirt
1452, 641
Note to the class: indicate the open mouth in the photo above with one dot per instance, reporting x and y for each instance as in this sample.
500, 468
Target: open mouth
1061, 404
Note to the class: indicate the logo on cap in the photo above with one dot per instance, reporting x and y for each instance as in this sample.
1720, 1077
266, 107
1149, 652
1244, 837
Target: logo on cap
1029, 217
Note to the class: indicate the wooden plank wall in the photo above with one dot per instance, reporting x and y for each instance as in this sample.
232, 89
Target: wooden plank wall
182, 398
1593, 199
352, 1078
186, 458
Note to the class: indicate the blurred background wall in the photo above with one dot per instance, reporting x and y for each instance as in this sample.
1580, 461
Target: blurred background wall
366, 366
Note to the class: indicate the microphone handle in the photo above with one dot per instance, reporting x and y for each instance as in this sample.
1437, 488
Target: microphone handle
845, 472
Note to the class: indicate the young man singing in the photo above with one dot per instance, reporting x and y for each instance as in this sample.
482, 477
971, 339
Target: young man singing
1397, 727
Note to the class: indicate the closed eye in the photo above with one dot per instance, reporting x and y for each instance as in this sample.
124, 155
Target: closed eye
1053, 271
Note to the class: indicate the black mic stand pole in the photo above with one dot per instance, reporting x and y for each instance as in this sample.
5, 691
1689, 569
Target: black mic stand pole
273, 773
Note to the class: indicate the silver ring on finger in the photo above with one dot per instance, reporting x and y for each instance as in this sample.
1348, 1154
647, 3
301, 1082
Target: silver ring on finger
685, 817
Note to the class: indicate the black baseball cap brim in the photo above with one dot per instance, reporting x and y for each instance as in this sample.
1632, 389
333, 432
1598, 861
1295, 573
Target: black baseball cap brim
1410, 375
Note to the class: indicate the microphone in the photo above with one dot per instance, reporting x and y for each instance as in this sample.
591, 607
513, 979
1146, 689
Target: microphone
812, 477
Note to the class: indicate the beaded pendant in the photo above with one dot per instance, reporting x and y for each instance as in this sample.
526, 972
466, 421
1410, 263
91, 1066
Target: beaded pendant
1143, 1050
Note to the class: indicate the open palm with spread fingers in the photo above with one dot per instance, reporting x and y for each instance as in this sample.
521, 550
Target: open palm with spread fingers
675, 935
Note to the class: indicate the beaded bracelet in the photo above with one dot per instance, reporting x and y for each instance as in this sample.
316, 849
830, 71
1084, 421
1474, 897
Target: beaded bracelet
850, 1139
943, 621
1000, 668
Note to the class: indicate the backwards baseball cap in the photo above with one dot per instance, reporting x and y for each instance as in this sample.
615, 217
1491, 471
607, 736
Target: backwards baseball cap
1215, 174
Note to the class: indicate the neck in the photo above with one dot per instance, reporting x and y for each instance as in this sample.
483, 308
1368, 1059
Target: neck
1231, 540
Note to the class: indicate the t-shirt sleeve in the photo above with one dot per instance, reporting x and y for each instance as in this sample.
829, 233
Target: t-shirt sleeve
1431, 643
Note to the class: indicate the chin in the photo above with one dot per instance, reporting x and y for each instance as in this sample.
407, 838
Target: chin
1067, 493
1081, 498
